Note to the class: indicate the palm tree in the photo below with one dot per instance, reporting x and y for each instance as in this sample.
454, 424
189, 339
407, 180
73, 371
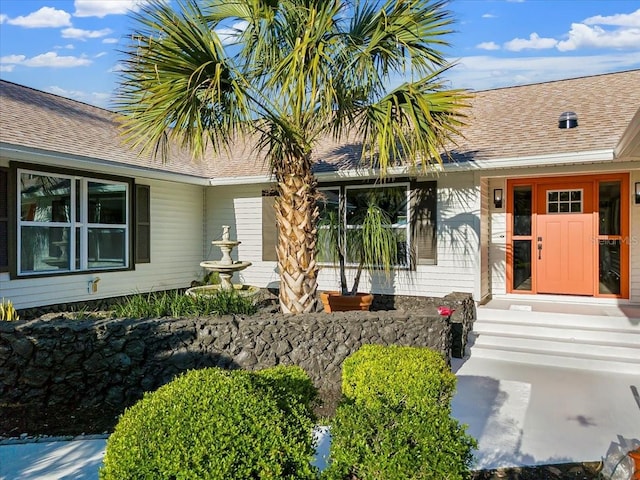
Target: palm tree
289, 73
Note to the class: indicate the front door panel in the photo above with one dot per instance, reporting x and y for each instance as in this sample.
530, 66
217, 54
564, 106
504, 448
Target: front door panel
565, 261
565, 246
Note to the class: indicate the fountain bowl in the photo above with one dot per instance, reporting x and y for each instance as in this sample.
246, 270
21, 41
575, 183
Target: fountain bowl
211, 290
218, 266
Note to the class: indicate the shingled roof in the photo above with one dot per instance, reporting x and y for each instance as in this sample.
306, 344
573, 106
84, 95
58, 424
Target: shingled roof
505, 123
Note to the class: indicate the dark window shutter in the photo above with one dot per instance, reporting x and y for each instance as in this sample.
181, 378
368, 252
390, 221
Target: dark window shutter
269, 227
424, 203
143, 224
4, 219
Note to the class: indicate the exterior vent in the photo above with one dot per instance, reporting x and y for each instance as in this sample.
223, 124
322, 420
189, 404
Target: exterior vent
568, 120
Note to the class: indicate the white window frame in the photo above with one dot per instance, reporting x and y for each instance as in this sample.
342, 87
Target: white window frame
81, 225
569, 202
406, 226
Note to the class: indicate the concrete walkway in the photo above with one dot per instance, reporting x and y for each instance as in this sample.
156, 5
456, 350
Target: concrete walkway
520, 414
530, 415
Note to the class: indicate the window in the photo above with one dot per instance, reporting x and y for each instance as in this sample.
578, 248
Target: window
564, 201
349, 202
68, 223
413, 207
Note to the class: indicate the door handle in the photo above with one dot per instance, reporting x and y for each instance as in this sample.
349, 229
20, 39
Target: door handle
539, 248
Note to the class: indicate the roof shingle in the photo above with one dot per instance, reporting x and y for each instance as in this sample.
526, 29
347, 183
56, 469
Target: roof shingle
503, 123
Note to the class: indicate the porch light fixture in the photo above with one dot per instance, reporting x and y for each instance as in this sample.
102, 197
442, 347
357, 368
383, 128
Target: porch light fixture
637, 193
568, 120
497, 197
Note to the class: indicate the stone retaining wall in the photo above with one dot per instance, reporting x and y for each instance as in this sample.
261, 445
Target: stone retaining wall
113, 361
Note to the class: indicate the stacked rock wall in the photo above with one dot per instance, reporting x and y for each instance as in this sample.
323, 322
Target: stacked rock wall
114, 361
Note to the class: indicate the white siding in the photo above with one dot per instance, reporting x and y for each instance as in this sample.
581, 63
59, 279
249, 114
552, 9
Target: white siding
485, 240
458, 245
176, 251
498, 234
458, 240
240, 207
634, 242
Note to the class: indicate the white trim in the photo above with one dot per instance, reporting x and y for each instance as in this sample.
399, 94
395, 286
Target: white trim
244, 180
524, 297
76, 162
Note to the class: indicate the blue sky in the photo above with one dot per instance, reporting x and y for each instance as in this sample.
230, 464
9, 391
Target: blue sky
71, 48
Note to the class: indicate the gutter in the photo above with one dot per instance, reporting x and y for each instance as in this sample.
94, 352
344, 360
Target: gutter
572, 158
55, 159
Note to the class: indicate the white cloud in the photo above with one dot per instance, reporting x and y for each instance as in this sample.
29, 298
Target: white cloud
99, 99
12, 59
102, 8
488, 46
101, 54
43, 18
51, 59
3, 18
118, 67
110, 40
584, 36
6, 68
84, 34
534, 42
489, 15
619, 20
229, 35
484, 72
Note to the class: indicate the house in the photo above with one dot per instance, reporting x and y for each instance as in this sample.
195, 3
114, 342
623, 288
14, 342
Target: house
523, 207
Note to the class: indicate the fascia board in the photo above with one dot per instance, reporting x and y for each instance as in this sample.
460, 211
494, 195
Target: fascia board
572, 158
56, 159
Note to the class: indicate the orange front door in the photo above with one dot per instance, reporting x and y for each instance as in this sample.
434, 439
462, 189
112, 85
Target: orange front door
565, 248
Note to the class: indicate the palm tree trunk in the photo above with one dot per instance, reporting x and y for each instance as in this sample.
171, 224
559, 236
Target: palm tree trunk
296, 215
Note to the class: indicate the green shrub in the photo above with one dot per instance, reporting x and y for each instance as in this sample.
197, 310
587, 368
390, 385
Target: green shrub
413, 376
217, 424
394, 421
397, 443
176, 304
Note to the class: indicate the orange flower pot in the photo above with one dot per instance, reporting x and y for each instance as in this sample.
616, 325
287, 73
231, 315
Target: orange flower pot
336, 302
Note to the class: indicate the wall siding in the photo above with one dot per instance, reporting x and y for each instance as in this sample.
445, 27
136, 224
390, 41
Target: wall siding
498, 235
485, 240
240, 207
176, 251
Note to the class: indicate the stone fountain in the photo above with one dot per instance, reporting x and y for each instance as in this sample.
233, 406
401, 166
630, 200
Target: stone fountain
225, 267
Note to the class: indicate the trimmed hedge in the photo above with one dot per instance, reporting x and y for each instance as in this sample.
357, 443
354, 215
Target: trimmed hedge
218, 424
416, 377
395, 419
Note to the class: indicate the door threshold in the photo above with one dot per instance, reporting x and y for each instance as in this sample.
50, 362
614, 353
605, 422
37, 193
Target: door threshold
574, 299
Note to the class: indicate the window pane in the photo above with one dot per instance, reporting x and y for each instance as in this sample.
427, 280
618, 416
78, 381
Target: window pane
609, 251
609, 218
522, 204
44, 249
44, 199
392, 200
403, 247
522, 265
107, 247
107, 203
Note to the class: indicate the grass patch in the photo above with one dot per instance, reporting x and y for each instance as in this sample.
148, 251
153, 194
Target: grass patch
176, 304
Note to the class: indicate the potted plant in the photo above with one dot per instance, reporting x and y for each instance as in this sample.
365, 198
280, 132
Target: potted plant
369, 243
